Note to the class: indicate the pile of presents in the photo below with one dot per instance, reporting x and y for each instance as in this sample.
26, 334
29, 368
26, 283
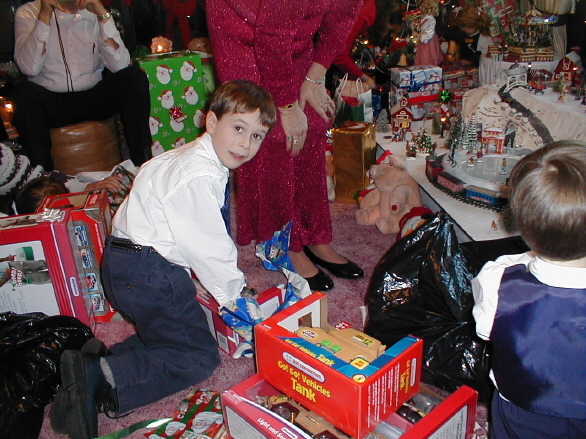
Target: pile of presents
314, 380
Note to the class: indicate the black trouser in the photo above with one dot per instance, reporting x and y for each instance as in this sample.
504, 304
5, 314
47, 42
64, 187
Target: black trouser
37, 110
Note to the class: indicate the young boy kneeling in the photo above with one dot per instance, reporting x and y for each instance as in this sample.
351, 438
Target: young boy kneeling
532, 306
169, 223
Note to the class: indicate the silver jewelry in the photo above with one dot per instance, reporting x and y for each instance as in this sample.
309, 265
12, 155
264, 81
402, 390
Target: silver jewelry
313, 81
295, 141
106, 16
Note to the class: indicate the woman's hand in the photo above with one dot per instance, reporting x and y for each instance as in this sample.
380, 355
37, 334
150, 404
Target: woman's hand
111, 183
294, 122
317, 97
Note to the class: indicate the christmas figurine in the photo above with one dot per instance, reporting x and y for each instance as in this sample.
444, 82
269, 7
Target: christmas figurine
428, 47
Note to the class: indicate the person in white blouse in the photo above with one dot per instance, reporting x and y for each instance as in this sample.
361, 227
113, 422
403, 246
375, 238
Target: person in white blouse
169, 224
64, 48
532, 306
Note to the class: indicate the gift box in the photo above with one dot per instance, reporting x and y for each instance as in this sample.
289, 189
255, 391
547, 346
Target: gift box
416, 78
178, 97
354, 396
39, 273
354, 147
90, 225
228, 340
454, 416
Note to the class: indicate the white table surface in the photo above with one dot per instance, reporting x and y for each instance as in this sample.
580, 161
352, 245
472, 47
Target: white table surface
475, 222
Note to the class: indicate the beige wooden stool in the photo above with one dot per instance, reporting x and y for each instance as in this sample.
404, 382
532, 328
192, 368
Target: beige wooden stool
86, 146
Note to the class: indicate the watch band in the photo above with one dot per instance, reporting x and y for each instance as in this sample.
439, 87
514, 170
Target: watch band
104, 17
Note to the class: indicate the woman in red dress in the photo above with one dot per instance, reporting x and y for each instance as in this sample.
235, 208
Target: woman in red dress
286, 47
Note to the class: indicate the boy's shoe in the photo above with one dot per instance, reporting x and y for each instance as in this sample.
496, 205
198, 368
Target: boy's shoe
96, 347
82, 395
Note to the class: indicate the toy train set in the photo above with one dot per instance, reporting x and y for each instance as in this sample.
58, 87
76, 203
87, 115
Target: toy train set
453, 186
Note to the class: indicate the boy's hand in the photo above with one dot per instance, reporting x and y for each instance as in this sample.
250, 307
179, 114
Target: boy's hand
111, 183
242, 314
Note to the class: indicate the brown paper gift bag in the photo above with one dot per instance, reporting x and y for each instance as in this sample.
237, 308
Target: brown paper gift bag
354, 147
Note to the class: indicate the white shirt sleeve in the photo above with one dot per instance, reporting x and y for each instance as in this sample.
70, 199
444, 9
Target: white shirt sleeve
485, 289
31, 37
113, 59
195, 221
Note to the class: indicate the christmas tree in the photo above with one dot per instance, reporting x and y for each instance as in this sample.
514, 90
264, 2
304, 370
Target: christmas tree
382, 122
424, 141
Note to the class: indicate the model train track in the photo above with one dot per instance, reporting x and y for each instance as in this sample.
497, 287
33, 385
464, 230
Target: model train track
462, 197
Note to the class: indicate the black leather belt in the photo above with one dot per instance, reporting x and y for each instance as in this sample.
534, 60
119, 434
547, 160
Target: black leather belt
128, 245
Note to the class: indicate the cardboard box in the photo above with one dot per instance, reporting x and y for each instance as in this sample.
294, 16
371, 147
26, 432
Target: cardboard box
354, 146
228, 340
245, 418
38, 266
453, 418
178, 98
90, 225
354, 399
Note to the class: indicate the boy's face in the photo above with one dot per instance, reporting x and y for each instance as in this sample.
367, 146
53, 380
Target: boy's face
236, 136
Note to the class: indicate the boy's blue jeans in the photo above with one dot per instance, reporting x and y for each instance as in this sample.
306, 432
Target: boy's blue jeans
173, 347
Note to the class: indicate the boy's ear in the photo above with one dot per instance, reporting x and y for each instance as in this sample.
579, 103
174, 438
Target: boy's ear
211, 120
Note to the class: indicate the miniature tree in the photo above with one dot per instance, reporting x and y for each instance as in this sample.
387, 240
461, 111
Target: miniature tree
425, 143
382, 122
436, 125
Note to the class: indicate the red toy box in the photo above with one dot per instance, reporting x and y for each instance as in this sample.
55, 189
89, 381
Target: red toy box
91, 223
228, 340
244, 417
453, 418
354, 397
38, 266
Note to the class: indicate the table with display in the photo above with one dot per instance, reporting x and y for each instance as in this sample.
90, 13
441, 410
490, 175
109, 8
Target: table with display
472, 223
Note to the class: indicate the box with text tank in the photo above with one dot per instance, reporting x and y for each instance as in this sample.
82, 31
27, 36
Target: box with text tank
178, 92
38, 267
91, 220
228, 340
345, 376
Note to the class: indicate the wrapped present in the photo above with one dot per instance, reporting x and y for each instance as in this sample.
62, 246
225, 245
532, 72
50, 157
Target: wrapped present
198, 416
178, 97
354, 148
416, 78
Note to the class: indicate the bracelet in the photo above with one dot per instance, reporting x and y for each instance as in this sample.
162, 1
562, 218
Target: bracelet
313, 81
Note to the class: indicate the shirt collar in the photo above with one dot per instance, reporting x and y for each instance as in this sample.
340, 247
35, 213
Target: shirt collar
557, 275
206, 141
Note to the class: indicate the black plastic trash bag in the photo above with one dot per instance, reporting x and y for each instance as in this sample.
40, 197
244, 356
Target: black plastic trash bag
422, 286
30, 351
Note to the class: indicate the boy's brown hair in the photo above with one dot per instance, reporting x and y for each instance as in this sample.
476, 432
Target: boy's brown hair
240, 96
30, 196
548, 200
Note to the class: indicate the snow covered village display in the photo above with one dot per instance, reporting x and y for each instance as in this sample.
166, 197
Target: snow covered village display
495, 129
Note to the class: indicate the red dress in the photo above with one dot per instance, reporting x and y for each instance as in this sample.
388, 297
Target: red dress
274, 43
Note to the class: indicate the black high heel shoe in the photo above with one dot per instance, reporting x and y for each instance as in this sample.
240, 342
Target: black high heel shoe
349, 270
320, 282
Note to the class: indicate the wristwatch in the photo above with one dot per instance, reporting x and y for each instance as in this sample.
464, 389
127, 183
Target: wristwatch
104, 17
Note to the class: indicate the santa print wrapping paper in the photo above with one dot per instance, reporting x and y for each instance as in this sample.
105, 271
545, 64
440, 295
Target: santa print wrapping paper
178, 98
